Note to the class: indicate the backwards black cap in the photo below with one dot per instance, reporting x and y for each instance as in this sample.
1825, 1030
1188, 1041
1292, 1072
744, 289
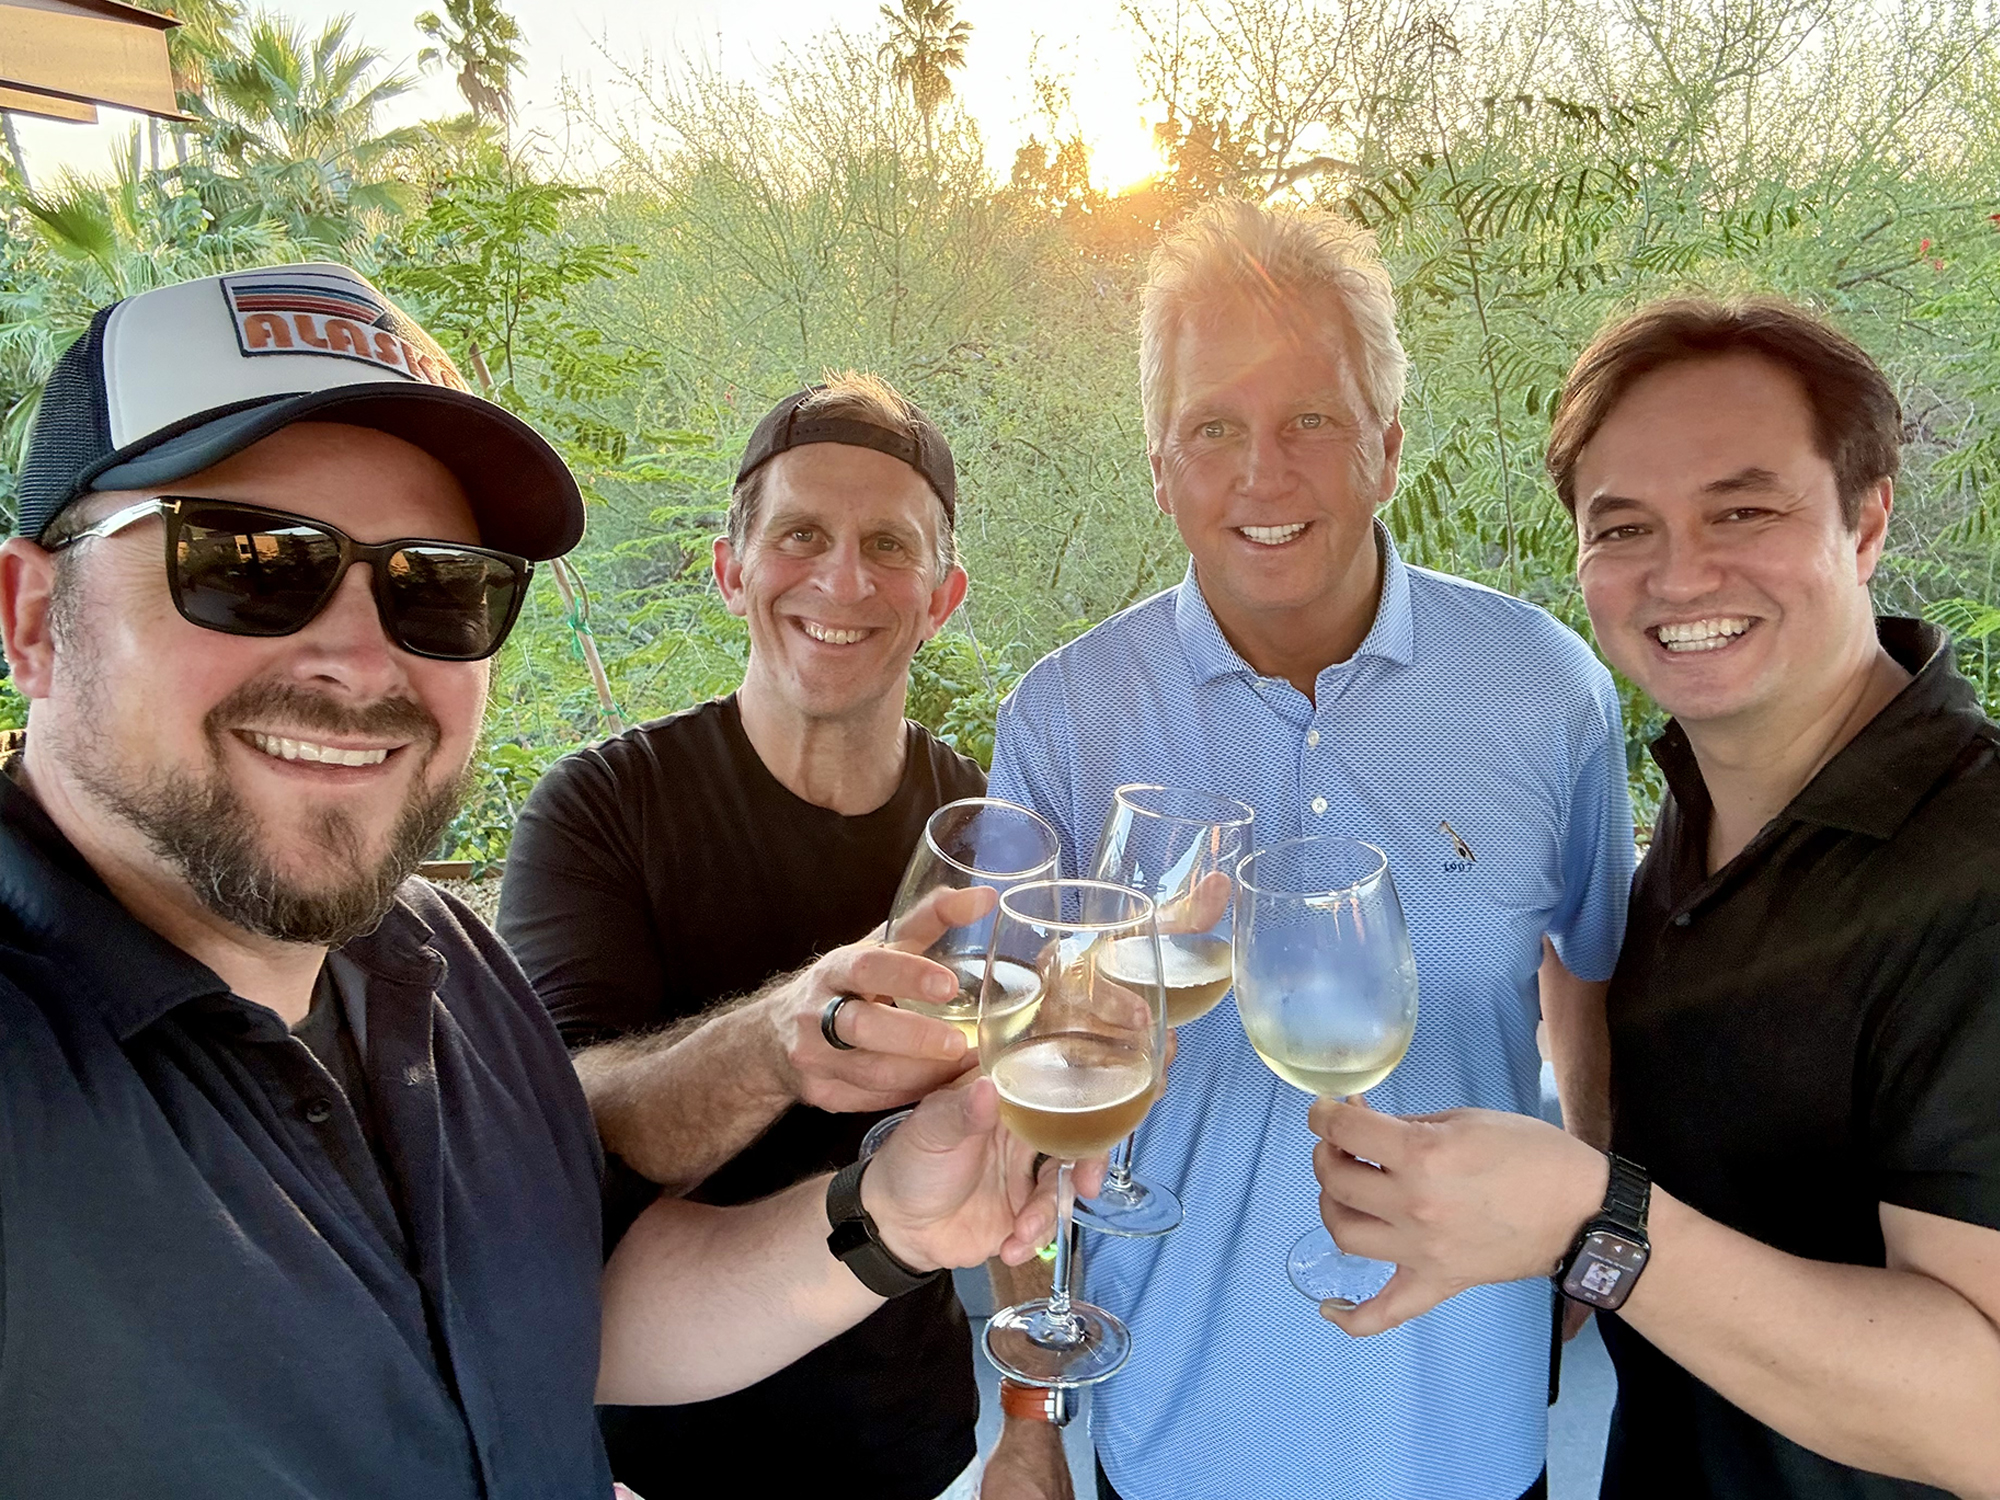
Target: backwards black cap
923, 448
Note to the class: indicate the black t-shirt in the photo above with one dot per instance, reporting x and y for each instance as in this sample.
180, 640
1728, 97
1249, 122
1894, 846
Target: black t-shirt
652, 876
1810, 1032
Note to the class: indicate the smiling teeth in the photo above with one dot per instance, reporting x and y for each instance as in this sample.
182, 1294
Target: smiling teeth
831, 636
285, 749
1272, 536
1700, 635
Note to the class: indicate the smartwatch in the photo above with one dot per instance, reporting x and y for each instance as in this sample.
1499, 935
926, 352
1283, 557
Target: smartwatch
857, 1243
1608, 1256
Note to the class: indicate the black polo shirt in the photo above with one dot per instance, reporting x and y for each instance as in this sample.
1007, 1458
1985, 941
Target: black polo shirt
195, 1300
1810, 1032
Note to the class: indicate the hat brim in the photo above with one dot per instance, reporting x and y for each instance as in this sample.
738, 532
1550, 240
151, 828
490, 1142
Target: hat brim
523, 495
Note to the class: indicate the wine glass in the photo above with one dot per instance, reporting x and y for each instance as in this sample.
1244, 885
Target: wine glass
1327, 990
1180, 846
1077, 1064
973, 842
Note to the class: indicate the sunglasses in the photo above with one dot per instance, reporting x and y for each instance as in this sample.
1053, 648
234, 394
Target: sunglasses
246, 570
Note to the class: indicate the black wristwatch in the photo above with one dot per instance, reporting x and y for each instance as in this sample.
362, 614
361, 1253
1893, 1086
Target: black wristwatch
1612, 1250
856, 1241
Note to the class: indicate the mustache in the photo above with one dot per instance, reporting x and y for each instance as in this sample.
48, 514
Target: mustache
292, 705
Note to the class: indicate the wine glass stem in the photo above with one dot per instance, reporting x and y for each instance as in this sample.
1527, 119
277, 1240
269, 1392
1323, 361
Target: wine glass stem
1065, 1203
1120, 1176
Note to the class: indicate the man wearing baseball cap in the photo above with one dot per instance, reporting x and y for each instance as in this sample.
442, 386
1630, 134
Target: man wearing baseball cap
298, 1191
687, 896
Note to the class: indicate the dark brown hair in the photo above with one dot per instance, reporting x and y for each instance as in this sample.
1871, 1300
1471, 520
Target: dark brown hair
1857, 421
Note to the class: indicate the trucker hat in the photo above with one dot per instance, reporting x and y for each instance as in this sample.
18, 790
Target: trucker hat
923, 448
166, 383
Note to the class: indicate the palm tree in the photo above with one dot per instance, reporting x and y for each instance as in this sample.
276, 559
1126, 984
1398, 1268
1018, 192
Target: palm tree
477, 38
294, 117
926, 43
206, 32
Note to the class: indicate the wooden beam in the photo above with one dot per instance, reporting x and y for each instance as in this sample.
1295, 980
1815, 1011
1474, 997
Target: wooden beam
92, 59
46, 106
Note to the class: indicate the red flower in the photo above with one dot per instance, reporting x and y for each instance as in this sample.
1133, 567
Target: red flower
1937, 265
1923, 247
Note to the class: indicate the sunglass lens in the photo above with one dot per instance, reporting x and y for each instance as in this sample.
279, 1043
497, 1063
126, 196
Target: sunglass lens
252, 576
452, 603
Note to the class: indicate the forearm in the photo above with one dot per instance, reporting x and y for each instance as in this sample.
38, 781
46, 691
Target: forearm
1579, 1048
700, 1301
678, 1104
1886, 1370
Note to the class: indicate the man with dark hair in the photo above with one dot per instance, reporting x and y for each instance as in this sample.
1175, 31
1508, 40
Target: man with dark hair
687, 898
298, 1192
1798, 1233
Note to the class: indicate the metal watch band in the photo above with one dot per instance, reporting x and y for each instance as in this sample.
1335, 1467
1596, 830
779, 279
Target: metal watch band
857, 1243
1035, 1403
1627, 1197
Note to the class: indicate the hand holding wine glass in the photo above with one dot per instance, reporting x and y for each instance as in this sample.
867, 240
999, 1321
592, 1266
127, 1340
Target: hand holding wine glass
1077, 1064
977, 844
972, 851
1326, 987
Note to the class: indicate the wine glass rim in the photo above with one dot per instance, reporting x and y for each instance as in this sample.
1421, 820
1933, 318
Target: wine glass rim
1249, 813
1054, 842
1244, 867
1143, 914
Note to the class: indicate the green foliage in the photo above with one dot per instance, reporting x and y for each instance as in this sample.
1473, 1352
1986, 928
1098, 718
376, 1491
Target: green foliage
1529, 170
477, 40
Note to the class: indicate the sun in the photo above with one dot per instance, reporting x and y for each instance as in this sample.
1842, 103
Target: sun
1125, 158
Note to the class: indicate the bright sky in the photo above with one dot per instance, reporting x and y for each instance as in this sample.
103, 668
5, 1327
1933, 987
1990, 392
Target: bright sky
1087, 42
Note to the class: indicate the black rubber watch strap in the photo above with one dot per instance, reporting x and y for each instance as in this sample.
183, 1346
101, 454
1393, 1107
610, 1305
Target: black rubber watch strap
857, 1243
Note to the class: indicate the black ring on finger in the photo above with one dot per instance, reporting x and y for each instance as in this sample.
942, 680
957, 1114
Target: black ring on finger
829, 1020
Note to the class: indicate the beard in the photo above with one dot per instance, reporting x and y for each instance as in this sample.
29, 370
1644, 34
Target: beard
202, 826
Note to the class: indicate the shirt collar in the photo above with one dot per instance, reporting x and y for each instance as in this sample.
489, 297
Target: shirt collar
64, 914
1392, 636
1878, 777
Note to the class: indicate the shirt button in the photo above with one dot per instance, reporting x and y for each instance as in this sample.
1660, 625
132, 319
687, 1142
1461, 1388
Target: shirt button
1319, 804
318, 1111
1312, 736
1683, 919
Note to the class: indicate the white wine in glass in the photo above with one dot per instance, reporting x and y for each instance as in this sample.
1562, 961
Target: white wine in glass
975, 842
1076, 1069
1326, 987
1180, 846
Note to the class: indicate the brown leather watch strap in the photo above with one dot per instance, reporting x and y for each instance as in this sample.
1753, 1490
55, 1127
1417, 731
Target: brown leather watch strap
1034, 1403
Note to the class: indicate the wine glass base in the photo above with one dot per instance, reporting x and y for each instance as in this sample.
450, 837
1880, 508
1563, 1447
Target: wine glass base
1140, 1210
879, 1132
1026, 1343
1324, 1272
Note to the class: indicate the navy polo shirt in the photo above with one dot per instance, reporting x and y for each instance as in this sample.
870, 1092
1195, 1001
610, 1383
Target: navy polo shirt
195, 1300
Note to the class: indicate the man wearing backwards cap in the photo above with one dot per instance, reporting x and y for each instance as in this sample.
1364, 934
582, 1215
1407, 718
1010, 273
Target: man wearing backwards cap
298, 1192
686, 899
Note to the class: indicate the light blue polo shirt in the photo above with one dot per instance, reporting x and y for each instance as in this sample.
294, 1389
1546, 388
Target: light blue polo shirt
1463, 707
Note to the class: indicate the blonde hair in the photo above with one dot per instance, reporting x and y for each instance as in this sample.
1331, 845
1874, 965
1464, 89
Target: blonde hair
863, 397
1283, 257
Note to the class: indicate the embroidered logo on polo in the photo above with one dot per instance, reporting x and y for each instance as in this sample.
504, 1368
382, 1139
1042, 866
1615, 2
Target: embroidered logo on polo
1463, 858
300, 311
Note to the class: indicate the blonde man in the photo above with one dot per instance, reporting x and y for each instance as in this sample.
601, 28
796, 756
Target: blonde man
1301, 665
687, 898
